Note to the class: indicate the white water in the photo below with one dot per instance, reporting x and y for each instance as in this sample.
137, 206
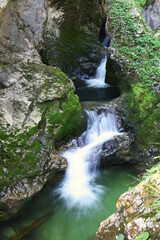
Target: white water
99, 79
78, 188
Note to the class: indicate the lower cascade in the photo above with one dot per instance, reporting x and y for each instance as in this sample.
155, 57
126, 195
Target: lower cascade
78, 188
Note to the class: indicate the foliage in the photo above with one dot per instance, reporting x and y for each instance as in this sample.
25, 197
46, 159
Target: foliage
120, 237
135, 69
155, 206
151, 171
135, 42
143, 236
140, 2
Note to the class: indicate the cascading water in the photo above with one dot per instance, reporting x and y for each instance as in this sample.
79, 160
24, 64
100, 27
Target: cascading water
95, 89
78, 188
99, 80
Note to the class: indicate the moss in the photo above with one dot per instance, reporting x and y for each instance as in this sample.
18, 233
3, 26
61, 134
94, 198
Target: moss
28, 77
73, 44
137, 50
64, 119
140, 103
140, 2
148, 131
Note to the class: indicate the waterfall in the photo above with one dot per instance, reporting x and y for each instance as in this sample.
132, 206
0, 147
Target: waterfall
78, 188
99, 79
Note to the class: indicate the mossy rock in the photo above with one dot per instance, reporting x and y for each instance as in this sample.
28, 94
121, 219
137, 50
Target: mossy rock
134, 64
148, 131
25, 150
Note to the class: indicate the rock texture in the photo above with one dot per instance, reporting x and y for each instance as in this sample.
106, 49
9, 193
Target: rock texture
117, 150
38, 107
135, 213
152, 14
3, 4
72, 35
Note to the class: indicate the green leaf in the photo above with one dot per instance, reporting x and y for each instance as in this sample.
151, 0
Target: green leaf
143, 236
120, 237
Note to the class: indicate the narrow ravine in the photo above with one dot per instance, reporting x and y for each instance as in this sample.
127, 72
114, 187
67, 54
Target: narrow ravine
74, 206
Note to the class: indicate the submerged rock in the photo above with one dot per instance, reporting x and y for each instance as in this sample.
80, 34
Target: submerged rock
136, 213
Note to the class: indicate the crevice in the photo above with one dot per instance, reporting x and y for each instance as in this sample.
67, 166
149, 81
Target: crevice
103, 38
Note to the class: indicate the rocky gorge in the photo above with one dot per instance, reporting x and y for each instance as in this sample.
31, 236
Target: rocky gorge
43, 45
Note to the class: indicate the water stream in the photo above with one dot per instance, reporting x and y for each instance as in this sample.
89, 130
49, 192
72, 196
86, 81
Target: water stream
78, 188
85, 195
95, 88
99, 79
75, 223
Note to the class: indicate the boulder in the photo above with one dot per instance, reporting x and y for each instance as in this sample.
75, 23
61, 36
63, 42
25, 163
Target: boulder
137, 212
118, 150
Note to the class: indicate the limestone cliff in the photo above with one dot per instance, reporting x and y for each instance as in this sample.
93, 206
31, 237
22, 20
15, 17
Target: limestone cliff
38, 107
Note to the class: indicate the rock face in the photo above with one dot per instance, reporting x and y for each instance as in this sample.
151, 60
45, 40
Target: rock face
135, 213
117, 150
133, 65
3, 4
72, 35
38, 108
152, 14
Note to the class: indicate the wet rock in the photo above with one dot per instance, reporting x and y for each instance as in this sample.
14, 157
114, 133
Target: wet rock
14, 196
57, 162
118, 149
134, 213
138, 104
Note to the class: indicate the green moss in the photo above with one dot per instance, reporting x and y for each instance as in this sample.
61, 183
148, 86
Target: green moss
136, 42
140, 103
138, 50
148, 131
63, 119
28, 77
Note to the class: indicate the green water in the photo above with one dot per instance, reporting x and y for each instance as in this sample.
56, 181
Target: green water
73, 224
